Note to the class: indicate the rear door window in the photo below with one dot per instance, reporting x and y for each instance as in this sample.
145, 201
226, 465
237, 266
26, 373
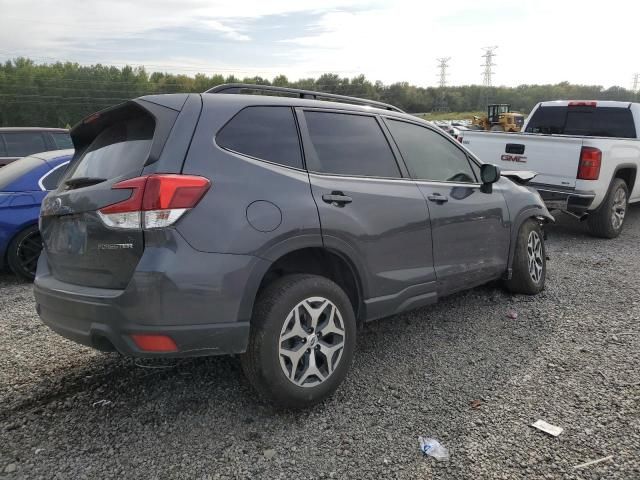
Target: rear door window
62, 141
267, 133
429, 155
347, 144
21, 144
119, 149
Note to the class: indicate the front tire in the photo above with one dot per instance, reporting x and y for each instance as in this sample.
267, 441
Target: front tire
530, 260
607, 221
24, 251
302, 340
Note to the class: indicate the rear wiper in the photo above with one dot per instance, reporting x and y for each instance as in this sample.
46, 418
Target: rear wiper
83, 181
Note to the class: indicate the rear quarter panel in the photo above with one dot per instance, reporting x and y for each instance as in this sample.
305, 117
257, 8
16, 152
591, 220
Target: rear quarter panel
616, 153
243, 187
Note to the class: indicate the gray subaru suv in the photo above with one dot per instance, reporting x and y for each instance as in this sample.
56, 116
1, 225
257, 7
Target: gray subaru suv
271, 225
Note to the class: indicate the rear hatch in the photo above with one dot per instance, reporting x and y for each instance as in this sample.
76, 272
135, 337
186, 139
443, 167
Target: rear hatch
112, 146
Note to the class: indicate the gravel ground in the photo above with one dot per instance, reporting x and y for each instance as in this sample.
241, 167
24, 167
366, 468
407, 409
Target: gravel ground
571, 358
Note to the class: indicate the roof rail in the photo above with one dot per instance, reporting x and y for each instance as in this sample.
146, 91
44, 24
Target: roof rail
239, 87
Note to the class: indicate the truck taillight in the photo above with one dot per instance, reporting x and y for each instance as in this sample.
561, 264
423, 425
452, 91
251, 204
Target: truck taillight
583, 103
156, 201
590, 161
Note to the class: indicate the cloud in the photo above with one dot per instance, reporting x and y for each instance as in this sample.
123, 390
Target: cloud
545, 41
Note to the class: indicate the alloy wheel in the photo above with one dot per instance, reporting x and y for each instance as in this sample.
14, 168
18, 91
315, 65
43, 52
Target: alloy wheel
311, 342
619, 209
29, 250
535, 256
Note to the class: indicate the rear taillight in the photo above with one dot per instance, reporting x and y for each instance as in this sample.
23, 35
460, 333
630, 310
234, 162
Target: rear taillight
156, 201
590, 161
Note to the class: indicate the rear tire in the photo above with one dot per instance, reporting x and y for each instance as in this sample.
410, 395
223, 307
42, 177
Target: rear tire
607, 221
296, 360
24, 251
530, 260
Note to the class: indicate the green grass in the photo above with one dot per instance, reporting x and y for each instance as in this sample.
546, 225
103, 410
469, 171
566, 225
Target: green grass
450, 115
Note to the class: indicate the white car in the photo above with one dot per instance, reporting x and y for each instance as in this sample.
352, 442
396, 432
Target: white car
586, 155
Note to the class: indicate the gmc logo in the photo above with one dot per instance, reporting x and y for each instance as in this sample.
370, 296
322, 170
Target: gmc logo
513, 158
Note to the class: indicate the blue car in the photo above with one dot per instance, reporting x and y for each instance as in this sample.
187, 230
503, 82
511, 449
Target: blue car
23, 185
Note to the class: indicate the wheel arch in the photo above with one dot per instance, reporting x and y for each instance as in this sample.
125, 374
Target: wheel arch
627, 172
311, 259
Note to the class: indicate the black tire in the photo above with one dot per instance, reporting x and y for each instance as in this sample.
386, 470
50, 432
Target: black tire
601, 222
24, 251
262, 360
522, 279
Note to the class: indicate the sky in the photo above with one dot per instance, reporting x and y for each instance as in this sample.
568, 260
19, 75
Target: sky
541, 41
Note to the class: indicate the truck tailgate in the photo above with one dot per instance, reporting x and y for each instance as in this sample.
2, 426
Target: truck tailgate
554, 158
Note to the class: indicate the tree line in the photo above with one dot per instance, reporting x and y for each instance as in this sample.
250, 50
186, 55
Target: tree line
60, 94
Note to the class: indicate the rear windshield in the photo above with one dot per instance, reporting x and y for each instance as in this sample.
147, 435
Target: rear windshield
119, 149
583, 121
15, 170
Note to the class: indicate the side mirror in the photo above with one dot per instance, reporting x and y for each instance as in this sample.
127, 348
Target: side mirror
489, 173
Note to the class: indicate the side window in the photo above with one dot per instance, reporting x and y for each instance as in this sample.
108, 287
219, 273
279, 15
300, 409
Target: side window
51, 180
348, 144
548, 120
21, 144
62, 140
268, 133
430, 156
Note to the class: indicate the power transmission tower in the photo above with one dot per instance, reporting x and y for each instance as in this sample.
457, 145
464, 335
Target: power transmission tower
443, 64
636, 82
441, 103
489, 53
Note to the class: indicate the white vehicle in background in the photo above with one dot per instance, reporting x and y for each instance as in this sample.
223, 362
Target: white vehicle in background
586, 155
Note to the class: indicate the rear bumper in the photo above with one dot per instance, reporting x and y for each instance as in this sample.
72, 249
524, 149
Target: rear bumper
565, 199
202, 301
91, 322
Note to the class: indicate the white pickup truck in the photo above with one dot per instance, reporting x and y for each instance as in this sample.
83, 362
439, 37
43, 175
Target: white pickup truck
586, 155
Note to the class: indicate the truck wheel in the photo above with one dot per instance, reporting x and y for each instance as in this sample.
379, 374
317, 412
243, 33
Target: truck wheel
607, 221
529, 268
302, 340
24, 251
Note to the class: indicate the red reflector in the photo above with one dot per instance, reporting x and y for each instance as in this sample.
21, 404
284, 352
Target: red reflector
590, 161
155, 343
159, 192
582, 103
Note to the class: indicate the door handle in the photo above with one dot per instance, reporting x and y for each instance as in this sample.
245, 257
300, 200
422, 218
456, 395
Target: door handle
338, 199
439, 199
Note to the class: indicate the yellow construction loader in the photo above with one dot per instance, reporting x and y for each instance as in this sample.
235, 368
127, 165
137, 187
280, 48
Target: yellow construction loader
500, 118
